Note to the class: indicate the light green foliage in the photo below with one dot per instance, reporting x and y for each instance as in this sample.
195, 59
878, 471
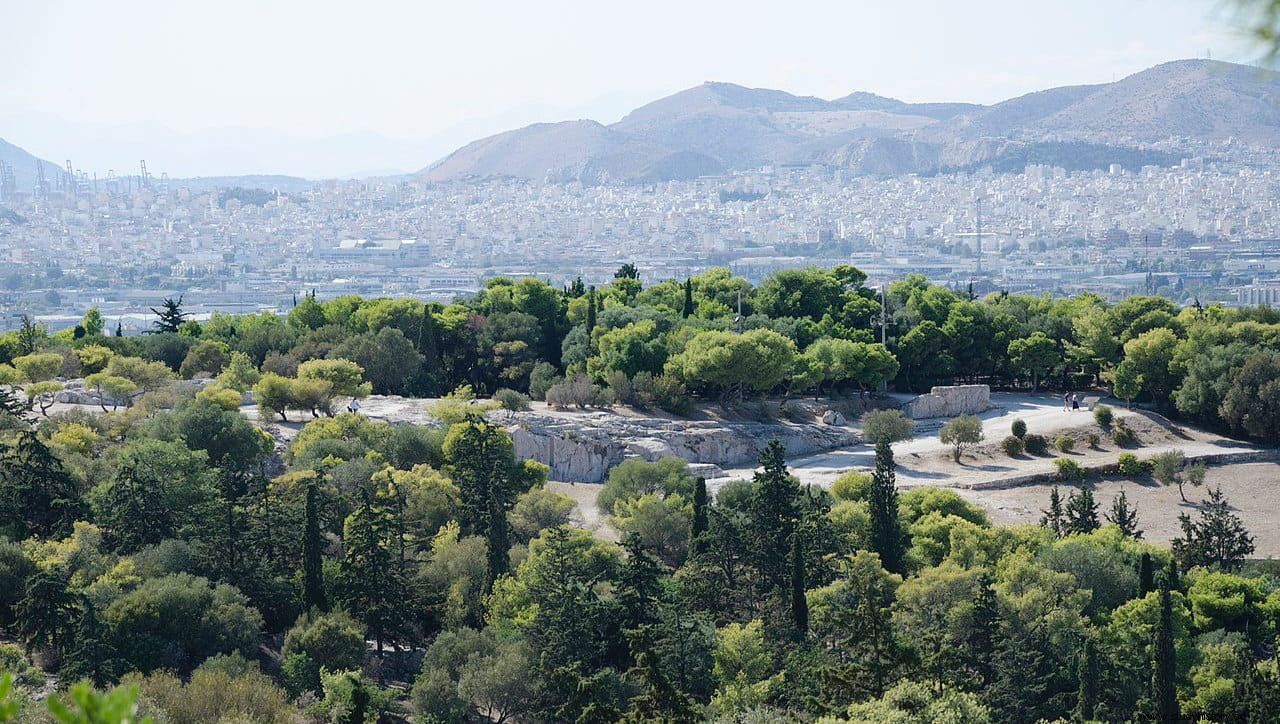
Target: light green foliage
232, 690
758, 359
1034, 355
886, 426
634, 477
346, 692
457, 405
84, 705
1064, 443
961, 432
346, 378
1103, 415
852, 485
38, 367
538, 509
1150, 356
910, 702
1068, 469
511, 400
920, 501
332, 640
223, 397
240, 373
743, 668
662, 522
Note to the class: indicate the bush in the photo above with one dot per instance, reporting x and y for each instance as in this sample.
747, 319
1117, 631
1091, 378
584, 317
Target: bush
1122, 435
511, 400
1103, 416
1012, 446
852, 485
332, 640
634, 477
541, 379
455, 406
214, 695
1035, 444
578, 392
1068, 469
300, 674
623, 391
1019, 429
537, 510
1064, 443
961, 432
1129, 465
887, 426
663, 392
1093, 440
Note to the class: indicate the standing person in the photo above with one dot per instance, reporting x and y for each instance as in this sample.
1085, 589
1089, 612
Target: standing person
353, 406
1075, 402
1066, 400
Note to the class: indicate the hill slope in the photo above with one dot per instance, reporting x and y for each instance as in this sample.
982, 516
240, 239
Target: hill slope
721, 126
24, 167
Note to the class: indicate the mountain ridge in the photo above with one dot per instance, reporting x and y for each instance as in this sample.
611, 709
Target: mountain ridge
725, 126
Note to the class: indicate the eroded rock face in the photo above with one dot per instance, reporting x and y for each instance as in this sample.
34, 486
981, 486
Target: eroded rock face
949, 401
583, 448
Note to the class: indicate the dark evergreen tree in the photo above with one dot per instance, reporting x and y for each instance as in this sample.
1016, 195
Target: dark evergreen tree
591, 311
169, 317
1081, 511
882, 500
774, 516
1053, 517
627, 271
1124, 517
575, 289
481, 465
1172, 580
37, 496
1164, 664
1218, 538
29, 334
313, 595
47, 613
372, 587
699, 528
1089, 673
1146, 575
90, 654
639, 585
659, 700
983, 634
687, 310
119, 329
799, 605
12, 404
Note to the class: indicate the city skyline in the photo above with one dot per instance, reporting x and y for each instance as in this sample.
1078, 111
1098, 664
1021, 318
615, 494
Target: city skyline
386, 93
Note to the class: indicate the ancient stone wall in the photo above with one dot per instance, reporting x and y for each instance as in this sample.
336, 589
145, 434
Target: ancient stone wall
949, 401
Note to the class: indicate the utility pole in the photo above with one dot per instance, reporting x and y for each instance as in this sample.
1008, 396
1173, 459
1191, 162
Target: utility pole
978, 201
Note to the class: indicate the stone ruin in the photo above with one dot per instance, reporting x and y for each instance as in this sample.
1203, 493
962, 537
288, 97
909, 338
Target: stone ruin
949, 401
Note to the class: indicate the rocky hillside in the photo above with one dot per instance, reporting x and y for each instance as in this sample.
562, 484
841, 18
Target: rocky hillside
719, 126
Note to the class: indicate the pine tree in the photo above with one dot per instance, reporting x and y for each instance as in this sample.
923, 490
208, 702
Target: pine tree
1053, 518
1217, 539
312, 563
687, 310
773, 517
882, 499
37, 496
799, 605
12, 404
1164, 693
48, 611
481, 465
699, 528
1146, 575
90, 654
1087, 695
1081, 511
1124, 517
119, 329
169, 317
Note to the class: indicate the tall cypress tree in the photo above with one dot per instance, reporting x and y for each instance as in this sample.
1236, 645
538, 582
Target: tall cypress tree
1146, 575
312, 564
983, 634
591, 310
1164, 665
372, 586
1087, 695
687, 311
696, 544
882, 498
1124, 517
799, 605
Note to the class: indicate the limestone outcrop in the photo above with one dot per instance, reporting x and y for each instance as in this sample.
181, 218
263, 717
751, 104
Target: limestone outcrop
584, 446
949, 401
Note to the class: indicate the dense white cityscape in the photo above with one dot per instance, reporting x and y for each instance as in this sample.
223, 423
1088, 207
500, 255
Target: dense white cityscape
1199, 230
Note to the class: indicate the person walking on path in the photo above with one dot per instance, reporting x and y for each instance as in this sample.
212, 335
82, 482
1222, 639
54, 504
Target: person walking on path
1066, 400
353, 406
1075, 402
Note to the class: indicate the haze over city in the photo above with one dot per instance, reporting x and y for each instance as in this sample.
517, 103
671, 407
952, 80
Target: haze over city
318, 89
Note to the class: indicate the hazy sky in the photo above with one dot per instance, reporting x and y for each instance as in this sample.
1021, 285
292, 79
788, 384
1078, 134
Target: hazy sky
429, 69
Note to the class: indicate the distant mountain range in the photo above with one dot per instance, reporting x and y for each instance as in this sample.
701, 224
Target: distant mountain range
24, 166
717, 127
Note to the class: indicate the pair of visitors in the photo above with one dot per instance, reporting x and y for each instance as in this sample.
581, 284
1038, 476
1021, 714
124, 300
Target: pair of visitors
1070, 402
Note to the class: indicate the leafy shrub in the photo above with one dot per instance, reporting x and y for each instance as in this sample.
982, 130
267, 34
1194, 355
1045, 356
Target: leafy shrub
511, 400
1103, 415
332, 640
852, 485
961, 432
1019, 429
887, 426
1064, 443
578, 392
663, 392
1093, 439
541, 379
214, 695
1035, 444
300, 673
1012, 446
1068, 469
1122, 435
1129, 465
538, 509
634, 477
455, 406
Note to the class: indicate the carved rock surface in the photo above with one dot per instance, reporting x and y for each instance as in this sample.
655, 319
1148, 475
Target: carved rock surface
583, 448
949, 401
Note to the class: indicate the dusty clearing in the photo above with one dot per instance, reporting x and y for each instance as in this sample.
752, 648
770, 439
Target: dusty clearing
1252, 488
